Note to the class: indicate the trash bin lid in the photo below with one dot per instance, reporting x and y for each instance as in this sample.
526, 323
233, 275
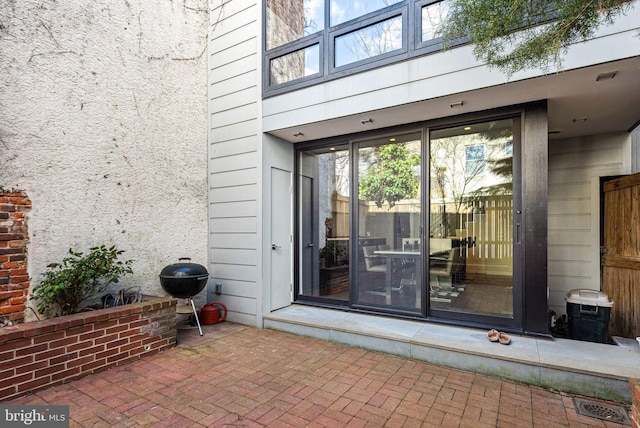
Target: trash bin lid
588, 297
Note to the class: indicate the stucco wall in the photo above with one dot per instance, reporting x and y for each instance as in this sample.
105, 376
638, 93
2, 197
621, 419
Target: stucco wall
103, 124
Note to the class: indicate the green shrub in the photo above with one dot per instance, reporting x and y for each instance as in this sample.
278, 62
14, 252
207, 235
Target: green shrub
78, 278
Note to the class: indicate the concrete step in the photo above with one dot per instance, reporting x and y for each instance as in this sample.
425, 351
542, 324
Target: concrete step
591, 369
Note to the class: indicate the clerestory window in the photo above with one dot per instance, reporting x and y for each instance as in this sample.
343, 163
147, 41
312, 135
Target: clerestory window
346, 10
368, 42
312, 41
291, 20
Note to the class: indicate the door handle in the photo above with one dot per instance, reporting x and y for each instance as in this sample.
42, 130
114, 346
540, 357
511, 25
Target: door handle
310, 244
275, 247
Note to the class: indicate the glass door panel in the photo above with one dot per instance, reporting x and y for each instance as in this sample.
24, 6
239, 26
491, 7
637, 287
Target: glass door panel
388, 247
471, 219
323, 185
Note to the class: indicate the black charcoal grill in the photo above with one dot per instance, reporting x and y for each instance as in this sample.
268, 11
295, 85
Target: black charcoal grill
184, 280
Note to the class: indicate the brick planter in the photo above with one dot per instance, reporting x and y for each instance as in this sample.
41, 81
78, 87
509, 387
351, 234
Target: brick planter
37, 355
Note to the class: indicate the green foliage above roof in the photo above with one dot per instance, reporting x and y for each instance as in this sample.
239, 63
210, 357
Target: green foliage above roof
514, 35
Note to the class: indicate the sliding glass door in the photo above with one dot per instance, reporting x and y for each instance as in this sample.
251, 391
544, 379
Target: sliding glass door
388, 251
324, 207
471, 229
365, 241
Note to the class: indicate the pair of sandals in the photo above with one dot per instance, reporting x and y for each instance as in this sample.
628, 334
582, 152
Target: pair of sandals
497, 336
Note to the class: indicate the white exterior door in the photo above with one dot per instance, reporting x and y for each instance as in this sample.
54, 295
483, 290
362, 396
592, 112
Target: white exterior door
281, 275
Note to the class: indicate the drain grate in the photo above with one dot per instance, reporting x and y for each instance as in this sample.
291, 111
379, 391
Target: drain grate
600, 410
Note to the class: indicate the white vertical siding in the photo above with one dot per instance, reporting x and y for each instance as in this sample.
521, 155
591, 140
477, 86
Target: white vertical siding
234, 156
575, 168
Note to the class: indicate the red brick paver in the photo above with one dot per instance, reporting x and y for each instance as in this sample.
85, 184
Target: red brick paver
240, 376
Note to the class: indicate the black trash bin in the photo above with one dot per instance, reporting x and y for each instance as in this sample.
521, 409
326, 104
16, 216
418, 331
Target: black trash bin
588, 313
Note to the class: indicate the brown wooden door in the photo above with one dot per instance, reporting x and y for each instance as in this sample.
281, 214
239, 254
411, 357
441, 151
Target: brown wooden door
621, 259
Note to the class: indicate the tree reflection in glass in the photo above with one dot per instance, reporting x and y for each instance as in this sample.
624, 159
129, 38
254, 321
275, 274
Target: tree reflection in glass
368, 42
345, 10
433, 16
295, 65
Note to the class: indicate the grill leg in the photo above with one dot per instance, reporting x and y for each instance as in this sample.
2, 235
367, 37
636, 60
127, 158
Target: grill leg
195, 314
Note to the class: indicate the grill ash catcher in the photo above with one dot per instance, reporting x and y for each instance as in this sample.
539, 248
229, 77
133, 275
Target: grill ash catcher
184, 280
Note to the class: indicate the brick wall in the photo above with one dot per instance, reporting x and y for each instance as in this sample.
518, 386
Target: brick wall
634, 384
14, 281
36, 355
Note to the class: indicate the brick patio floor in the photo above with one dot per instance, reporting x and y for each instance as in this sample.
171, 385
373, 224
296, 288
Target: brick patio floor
240, 376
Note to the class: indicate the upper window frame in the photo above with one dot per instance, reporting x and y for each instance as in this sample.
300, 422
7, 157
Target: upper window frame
362, 24
412, 46
303, 43
428, 46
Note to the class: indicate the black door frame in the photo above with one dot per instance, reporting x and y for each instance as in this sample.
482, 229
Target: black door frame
530, 220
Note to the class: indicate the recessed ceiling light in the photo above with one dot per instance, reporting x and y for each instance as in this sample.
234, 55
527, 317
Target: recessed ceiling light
467, 128
555, 131
579, 119
392, 139
456, 104
298, 134
605, 76
333, 149
365, 121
